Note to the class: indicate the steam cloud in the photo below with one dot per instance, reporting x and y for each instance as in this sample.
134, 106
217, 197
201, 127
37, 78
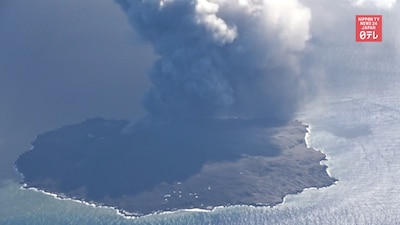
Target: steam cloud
385, 4
219, 57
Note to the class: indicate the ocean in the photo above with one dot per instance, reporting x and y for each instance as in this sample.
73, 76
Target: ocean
354, 120
359, 133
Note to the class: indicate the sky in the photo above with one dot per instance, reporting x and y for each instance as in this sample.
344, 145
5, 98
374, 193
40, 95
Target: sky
62, 62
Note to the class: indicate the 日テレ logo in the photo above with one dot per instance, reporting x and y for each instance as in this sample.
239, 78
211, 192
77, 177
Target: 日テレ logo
368, 28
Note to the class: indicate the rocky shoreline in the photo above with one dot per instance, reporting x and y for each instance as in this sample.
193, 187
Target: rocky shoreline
172, 167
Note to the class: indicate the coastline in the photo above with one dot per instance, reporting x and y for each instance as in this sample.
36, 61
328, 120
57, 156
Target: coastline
118, 211
323, 162
132, 214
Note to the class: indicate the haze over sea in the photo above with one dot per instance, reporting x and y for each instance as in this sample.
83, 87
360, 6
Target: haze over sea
354, 120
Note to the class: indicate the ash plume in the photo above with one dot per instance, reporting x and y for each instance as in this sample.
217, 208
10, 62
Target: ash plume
222, 58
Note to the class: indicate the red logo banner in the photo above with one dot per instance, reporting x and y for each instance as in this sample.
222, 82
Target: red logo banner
368, 28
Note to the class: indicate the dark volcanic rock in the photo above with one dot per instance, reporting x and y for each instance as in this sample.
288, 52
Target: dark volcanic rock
174, 165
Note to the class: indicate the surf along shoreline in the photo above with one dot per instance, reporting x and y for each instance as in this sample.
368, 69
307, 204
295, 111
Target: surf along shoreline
208, 172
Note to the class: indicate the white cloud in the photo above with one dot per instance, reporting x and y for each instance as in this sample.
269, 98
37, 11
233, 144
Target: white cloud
206, 15
291, 19
384, 4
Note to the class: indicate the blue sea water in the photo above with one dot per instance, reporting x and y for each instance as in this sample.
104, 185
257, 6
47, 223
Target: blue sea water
357, 132
356, 123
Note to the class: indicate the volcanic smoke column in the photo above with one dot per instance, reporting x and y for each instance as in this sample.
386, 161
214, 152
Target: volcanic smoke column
239, 57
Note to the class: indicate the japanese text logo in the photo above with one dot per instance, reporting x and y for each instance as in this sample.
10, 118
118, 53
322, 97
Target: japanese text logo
368, 28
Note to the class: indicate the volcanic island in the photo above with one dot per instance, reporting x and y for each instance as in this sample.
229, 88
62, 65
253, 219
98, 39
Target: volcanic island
152, 168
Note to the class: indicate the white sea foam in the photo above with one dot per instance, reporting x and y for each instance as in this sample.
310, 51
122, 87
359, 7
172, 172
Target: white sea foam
367, 167
123, 213
65, 198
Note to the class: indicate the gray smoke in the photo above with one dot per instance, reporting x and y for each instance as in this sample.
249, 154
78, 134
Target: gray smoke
218, 57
